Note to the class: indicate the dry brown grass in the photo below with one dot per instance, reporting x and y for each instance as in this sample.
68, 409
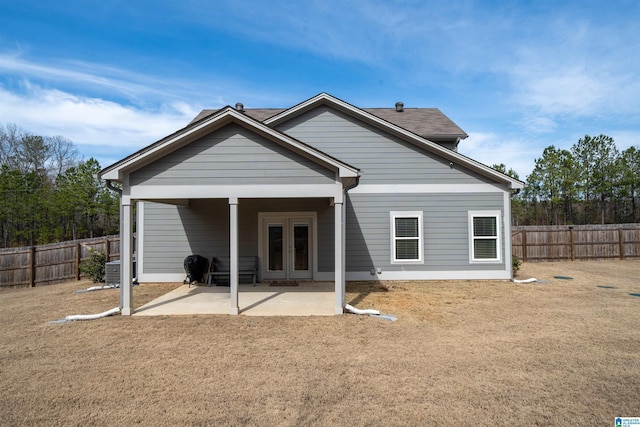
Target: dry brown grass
469, 353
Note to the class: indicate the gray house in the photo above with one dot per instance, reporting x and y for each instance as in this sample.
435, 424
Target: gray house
322, 191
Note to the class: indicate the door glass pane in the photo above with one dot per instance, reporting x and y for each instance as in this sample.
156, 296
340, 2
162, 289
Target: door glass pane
301, 247
276, 254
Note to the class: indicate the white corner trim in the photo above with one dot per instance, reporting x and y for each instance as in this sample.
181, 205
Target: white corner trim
139, 248
506, 236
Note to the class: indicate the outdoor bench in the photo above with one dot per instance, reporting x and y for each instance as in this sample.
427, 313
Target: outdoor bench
220, 267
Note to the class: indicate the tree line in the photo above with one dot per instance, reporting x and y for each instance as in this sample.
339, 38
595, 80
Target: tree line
49, 194
590, 183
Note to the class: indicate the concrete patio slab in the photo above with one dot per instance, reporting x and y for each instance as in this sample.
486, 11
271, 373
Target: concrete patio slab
305, 299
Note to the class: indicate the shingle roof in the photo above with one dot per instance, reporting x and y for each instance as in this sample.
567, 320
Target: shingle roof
429, 123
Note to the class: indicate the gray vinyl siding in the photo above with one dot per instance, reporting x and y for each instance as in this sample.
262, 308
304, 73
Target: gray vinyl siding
445, 228
232, 155
382, 158
171, 233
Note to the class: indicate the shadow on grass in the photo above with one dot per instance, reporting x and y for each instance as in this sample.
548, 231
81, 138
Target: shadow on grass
362, 290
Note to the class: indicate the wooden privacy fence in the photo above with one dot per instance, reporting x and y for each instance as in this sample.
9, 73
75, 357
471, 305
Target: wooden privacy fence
580, 242
59, 262
53, 263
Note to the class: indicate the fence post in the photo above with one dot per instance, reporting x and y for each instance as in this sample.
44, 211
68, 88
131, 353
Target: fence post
620, 243
32, 266
524, 245
107, 249
571, 248
77, 263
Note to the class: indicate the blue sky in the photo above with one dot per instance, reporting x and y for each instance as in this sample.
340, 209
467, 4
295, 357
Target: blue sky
517, 76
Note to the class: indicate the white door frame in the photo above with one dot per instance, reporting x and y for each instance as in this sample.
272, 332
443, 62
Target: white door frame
287, 219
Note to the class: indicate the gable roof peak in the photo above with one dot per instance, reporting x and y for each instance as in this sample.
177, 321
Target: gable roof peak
429, 123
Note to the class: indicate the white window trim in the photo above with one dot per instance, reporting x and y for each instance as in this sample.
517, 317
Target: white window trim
497, 215
404, 214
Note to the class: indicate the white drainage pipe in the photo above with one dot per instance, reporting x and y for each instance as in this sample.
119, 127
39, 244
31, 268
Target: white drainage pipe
358, 311
97, 288
525, 280
73, 317
370, 312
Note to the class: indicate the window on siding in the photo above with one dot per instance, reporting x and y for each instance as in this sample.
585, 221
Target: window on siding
484, 236
406, 237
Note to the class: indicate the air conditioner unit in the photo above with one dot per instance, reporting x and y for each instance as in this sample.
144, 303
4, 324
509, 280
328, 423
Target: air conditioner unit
112, 272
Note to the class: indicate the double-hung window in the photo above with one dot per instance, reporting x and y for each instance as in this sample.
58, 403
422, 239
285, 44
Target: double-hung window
484, 236
406, 237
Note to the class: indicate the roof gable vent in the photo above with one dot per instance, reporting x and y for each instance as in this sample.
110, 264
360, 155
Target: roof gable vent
399, 107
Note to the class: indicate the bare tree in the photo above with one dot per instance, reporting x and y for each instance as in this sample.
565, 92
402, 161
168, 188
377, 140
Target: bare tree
10, 137
63, 155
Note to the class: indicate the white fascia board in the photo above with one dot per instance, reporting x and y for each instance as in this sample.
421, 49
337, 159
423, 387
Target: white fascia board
159, 192
397, 130
111, 175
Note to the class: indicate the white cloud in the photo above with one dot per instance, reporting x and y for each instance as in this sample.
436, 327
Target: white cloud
491, 148
123, 85
577, 68
107, 112
625, 138
539, 124
567, 91
93, 77
98, 127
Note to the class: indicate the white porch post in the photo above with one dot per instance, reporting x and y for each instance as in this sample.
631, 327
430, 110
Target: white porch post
339, 258
126, 259
233, 255
507, 233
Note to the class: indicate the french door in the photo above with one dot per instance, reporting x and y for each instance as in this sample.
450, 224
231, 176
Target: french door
287, 246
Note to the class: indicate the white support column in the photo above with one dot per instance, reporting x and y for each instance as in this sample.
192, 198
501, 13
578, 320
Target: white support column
126, 257
233, 255
344, 251
339, 258
507, 233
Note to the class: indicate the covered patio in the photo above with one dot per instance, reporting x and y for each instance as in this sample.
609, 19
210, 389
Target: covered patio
230, 175
304, 299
